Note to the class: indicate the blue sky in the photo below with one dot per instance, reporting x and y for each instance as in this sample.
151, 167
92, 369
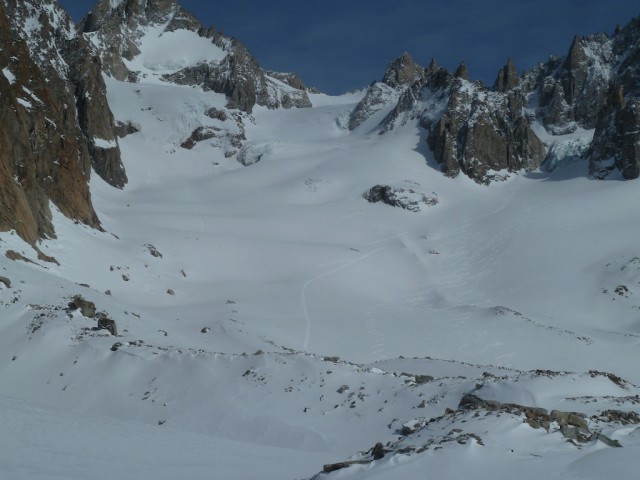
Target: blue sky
341, 45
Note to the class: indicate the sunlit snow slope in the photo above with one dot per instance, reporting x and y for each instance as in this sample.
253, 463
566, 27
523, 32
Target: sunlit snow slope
285, 256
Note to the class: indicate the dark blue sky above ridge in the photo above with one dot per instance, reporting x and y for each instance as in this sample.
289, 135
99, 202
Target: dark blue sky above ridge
342, 45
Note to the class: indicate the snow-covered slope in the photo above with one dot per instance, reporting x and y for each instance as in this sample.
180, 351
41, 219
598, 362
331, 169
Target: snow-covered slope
278, 296
233, 288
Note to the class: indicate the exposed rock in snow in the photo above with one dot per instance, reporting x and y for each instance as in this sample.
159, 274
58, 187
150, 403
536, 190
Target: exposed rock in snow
406, 198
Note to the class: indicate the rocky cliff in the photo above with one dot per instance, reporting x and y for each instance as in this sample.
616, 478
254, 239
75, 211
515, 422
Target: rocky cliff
480, 131
55, 122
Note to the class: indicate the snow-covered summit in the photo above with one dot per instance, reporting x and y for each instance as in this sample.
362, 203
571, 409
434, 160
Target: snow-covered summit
160, 41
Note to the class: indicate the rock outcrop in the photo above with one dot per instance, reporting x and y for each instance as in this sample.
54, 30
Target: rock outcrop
482, 131
405, 198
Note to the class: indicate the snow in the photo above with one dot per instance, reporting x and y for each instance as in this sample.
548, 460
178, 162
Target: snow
8, 75
24, 103
171, 51
287, 258
164, 52
105, 144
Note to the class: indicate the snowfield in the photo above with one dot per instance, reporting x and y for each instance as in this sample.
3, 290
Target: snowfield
272, 321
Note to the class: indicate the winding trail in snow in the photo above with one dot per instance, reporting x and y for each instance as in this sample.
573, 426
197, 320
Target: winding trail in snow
305, 286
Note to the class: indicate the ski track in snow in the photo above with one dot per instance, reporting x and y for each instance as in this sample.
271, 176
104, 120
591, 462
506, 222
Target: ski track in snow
305, 287
349, 263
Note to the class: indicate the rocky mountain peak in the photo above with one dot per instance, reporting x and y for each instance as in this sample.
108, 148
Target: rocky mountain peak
402, 71
131, 36
462, 71
480, 132
107, 14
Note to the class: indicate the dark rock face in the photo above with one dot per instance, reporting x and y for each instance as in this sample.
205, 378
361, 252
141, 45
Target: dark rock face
43, 152
125, 129
56, 123
507, 78
94, 114
572, 90
616, 142
481, 131
629, 161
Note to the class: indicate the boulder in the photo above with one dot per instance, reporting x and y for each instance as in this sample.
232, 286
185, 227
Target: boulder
471, 402
109, 325
569, 419
86, 307
5, 281
407, 199
377, 452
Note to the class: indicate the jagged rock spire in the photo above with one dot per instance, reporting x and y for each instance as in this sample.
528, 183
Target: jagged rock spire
507, 77
402, 71
576, 68
462, 71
